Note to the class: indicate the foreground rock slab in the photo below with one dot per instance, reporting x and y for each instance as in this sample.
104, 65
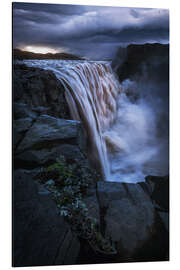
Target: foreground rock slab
132, 222
40, 236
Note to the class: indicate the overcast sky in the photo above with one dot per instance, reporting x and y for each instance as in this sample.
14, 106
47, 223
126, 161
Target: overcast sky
88, 31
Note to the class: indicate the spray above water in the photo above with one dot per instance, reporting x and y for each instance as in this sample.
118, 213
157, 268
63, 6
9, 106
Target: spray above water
120, 126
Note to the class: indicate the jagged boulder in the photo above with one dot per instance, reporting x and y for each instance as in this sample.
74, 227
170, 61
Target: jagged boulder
43, 140
48, 130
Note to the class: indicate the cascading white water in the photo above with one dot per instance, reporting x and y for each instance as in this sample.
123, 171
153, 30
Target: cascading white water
91, 90
120, 133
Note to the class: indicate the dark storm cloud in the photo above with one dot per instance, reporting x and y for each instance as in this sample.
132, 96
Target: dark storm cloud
89, 31
50, 8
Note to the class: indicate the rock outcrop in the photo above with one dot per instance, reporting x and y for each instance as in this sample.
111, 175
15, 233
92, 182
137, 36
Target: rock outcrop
141, 60
39, 140
158, 190
131, 221
49, 130
40, 89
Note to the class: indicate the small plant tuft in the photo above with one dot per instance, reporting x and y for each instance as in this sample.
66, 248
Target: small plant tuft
71, 182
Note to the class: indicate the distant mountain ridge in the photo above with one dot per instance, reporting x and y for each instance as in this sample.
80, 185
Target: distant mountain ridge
21, 55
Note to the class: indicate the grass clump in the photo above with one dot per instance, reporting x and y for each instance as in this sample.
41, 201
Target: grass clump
71, 182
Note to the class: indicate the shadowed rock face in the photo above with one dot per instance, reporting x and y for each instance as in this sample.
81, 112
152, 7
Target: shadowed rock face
130, 217
40, 90
40, 236
40, 141
131, 221
141, 60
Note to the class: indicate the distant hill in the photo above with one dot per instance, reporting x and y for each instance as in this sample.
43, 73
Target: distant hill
21, 55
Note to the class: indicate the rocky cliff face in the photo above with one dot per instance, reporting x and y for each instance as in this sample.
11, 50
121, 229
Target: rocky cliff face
137, 61
133, 216
40, 90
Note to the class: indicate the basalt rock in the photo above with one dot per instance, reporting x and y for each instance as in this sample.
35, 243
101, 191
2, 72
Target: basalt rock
158, 189
39, 88
48, 130
143, 60
40, 142
45, 156
132, 222
40, 235
22, 110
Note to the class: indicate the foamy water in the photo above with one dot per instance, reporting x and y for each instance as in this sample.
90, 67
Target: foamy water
121, 129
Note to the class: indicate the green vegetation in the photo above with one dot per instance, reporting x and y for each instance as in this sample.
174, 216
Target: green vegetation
69, 185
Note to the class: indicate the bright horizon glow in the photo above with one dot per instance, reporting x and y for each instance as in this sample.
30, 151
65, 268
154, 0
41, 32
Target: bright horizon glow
43, 50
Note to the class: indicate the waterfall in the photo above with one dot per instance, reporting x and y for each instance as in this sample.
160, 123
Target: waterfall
91, 92
120, 123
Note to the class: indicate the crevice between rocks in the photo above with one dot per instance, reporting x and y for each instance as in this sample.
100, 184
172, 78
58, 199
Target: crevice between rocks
23, 134
128, 193
102, 214
59, 248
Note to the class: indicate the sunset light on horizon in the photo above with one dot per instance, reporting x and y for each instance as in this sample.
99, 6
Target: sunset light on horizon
43, 50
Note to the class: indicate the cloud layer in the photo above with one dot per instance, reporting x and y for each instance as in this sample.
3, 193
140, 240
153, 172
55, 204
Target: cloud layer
89, 31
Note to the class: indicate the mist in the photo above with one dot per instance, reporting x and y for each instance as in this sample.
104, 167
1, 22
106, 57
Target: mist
138, 140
